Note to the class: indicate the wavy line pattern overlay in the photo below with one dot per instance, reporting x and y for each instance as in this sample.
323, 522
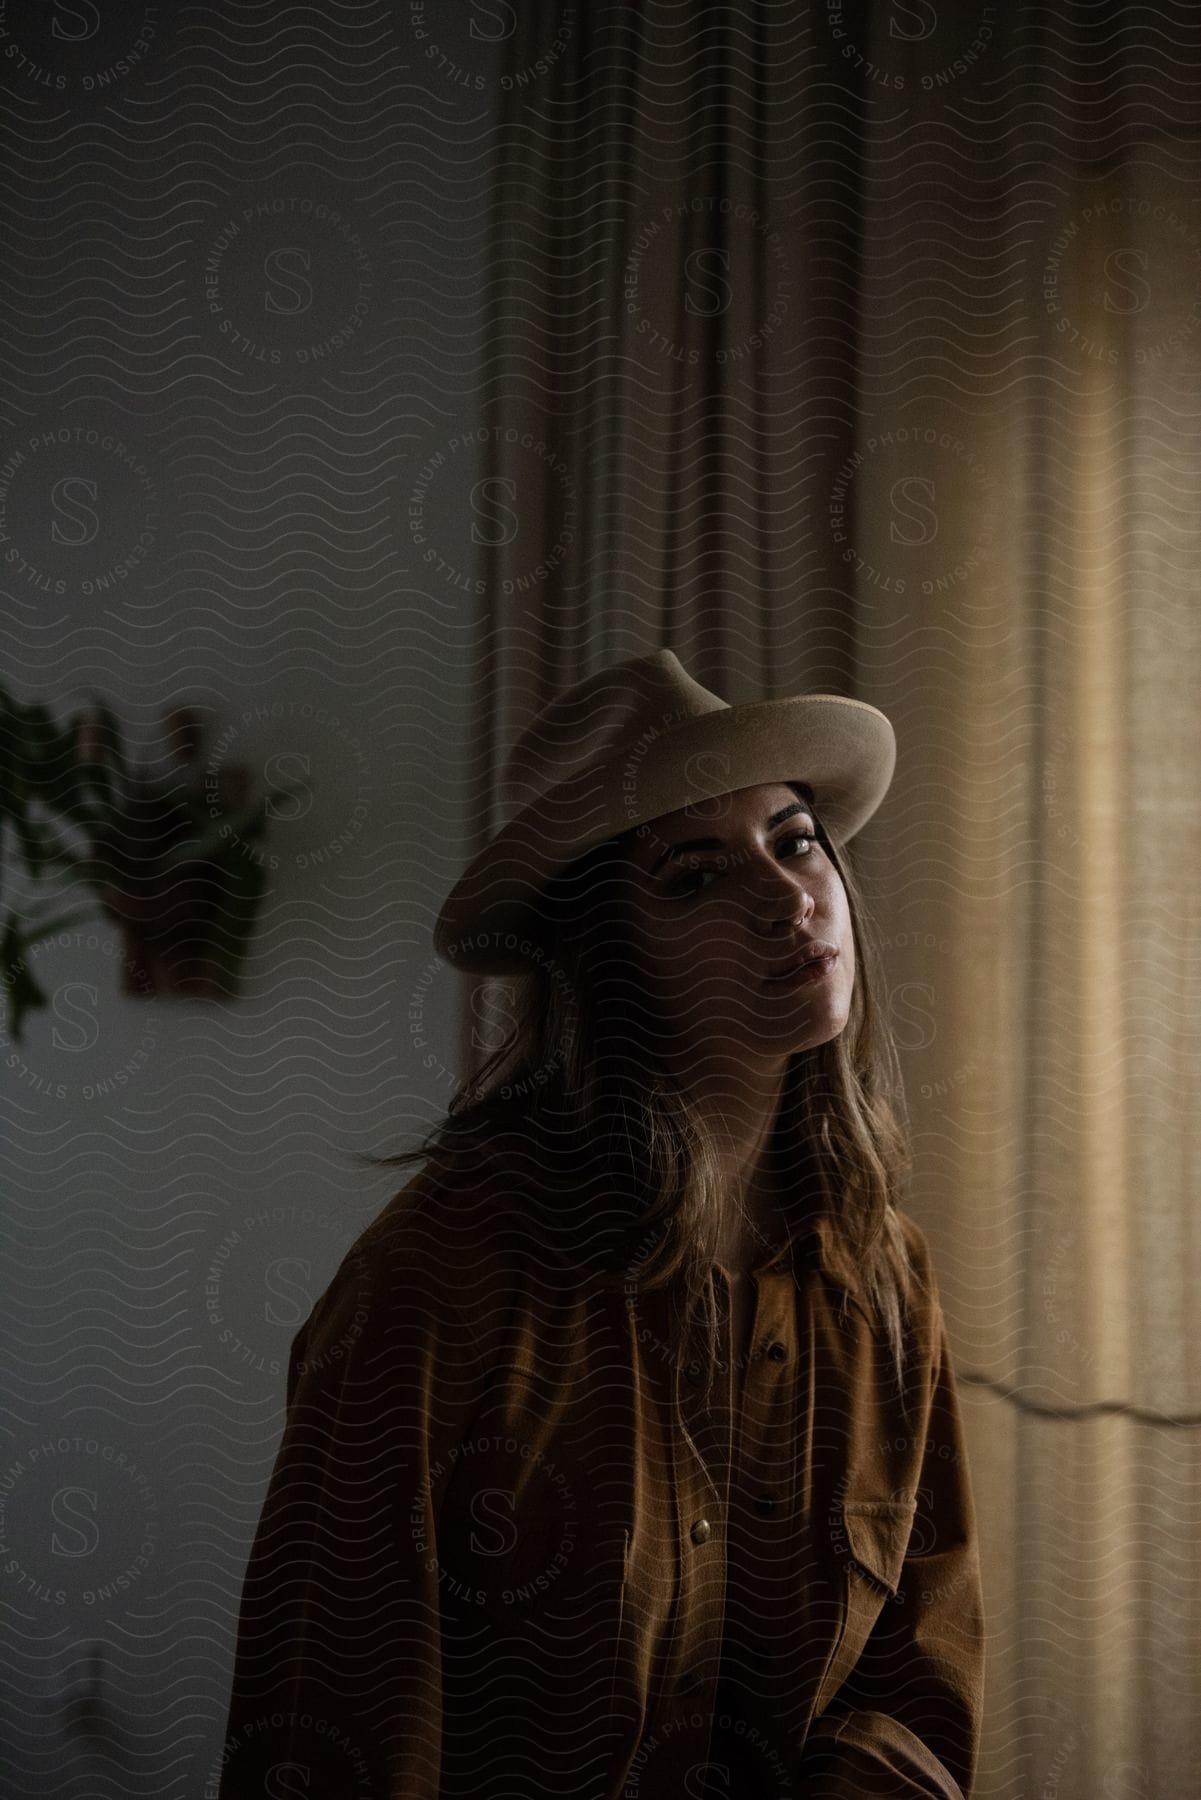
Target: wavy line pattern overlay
375, 371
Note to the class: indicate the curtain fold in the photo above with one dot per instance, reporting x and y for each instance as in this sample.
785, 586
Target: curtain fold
858, 349
671, 317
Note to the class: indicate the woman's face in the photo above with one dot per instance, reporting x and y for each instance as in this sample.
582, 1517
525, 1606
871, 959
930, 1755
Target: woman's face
711, 923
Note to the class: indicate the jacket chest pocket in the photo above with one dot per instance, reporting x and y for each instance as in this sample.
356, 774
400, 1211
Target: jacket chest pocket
874, 1537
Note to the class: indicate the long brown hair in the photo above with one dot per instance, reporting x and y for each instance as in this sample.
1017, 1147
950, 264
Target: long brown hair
575, 1091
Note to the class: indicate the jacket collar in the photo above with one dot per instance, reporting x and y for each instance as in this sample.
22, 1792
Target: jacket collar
836, 1260
816, 1240
819, 1242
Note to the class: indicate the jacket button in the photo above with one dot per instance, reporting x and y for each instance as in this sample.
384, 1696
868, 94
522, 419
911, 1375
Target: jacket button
777, 1352
701, 1531
764, 1503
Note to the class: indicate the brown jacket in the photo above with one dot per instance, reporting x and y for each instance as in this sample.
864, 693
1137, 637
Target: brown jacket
487, 1566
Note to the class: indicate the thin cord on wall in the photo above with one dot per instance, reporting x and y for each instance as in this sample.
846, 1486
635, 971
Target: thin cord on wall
1176, 1421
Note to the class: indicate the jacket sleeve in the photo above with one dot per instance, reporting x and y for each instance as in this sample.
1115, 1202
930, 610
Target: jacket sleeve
906, 1721
337, 1668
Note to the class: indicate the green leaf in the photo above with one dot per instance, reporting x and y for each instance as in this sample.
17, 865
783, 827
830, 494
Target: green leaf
41, 849
31, 841
46, 928
22, 991
12, 763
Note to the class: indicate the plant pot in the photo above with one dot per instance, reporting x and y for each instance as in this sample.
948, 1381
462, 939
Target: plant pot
182, 938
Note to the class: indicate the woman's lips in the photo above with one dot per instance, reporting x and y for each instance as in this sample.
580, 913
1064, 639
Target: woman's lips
815, 968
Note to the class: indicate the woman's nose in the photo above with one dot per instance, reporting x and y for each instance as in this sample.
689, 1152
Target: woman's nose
785, 890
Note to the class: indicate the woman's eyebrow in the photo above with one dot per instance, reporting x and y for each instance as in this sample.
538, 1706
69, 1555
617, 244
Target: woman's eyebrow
715, 843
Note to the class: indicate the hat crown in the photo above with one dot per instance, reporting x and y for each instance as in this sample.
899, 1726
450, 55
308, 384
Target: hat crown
636, 742
617, 711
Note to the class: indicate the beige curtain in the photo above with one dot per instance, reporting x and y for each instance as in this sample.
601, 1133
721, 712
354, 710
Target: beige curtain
878, 372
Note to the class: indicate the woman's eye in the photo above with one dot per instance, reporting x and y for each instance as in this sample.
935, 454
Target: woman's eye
687, 886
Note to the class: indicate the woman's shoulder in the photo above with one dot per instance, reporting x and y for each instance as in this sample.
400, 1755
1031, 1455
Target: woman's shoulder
917, 1244
924, 1304
457, 1239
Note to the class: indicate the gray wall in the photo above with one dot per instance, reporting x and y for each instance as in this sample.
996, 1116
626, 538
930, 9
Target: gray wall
243, 325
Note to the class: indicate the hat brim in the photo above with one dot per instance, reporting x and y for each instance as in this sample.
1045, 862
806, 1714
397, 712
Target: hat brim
844, 749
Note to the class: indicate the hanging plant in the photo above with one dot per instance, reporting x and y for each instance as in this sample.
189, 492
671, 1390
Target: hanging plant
171, 860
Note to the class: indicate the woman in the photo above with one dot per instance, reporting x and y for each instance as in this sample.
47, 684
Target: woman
623, 1454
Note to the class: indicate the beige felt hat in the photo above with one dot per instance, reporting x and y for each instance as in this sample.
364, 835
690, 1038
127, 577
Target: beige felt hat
627, 745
